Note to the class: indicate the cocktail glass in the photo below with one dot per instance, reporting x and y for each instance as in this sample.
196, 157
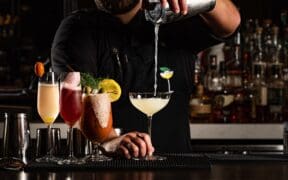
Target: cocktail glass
96, 123
70, 109
150, 103
48, 108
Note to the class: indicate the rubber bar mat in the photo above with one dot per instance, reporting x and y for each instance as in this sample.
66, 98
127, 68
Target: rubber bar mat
172, 161
247, 158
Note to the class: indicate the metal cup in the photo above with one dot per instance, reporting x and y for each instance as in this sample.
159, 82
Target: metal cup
16, 136
81, 145
42, 141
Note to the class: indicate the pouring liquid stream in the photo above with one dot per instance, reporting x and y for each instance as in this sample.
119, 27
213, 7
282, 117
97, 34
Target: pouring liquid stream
156, 33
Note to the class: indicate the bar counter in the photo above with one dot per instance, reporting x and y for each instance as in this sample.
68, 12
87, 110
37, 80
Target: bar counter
224, 168
191, 166
223, 171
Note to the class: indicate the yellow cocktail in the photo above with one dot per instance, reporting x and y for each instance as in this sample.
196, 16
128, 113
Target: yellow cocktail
48, 102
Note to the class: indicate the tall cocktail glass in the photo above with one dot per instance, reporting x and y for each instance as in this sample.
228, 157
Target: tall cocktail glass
48, 108
96, 123
70, 109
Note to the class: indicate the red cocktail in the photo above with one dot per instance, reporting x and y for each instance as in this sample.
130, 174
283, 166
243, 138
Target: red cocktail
70, 104
70, 109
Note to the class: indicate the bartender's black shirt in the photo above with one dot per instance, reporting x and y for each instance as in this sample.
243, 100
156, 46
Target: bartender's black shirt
98, 43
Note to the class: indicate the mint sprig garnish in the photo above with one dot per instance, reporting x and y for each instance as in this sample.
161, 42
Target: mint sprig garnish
89, 83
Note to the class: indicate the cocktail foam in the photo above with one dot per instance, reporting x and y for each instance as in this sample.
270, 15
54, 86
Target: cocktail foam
101, 106
73, 78
72, 81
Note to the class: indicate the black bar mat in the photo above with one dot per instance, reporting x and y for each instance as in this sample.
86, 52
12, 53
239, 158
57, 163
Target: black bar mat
247, 158
172, 161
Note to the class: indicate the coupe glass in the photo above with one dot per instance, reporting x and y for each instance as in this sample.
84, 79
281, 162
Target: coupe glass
48, 108
70, 109
150, 103
96, 123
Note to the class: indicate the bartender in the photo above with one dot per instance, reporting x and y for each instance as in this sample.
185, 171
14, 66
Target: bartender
116, 41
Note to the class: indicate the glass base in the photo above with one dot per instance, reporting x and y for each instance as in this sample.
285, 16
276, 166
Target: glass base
98, 158
11, 163
48, 159
71, 160
151, 158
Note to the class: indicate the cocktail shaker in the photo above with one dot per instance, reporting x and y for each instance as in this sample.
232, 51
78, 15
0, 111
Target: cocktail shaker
81, 145
157, 14
16, 136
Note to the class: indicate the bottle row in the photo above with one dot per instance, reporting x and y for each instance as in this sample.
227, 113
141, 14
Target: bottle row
249, 83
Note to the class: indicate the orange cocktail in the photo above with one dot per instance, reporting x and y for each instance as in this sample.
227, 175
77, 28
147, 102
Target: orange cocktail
96, 122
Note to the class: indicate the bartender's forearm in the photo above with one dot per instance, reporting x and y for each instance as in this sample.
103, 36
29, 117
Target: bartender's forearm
223, 19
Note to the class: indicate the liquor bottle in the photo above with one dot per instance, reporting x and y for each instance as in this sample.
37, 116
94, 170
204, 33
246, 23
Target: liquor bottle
285, 69
234, 65
223, 101
249, 37
275, 36
259, 88
223, 73
218, 100
276, 94
258, 53
240, 109
284, 57
234, 87
200, 106
267, 40
200, 103
212, 79
243, 101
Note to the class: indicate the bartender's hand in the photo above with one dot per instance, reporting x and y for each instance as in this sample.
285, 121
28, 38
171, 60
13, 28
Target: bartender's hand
177, 6
133, 144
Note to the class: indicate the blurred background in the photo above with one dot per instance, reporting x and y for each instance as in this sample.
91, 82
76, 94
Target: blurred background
27, 28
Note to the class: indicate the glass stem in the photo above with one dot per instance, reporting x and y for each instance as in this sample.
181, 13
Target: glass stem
168, 85
71, 151
23, 155
95, 150
49, 153
150, 126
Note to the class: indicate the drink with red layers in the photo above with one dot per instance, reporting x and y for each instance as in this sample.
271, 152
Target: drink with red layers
70, 110
70, 104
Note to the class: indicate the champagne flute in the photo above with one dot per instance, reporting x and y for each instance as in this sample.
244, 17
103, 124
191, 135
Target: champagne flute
48, 108
96, 123
70, 109
150, 103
